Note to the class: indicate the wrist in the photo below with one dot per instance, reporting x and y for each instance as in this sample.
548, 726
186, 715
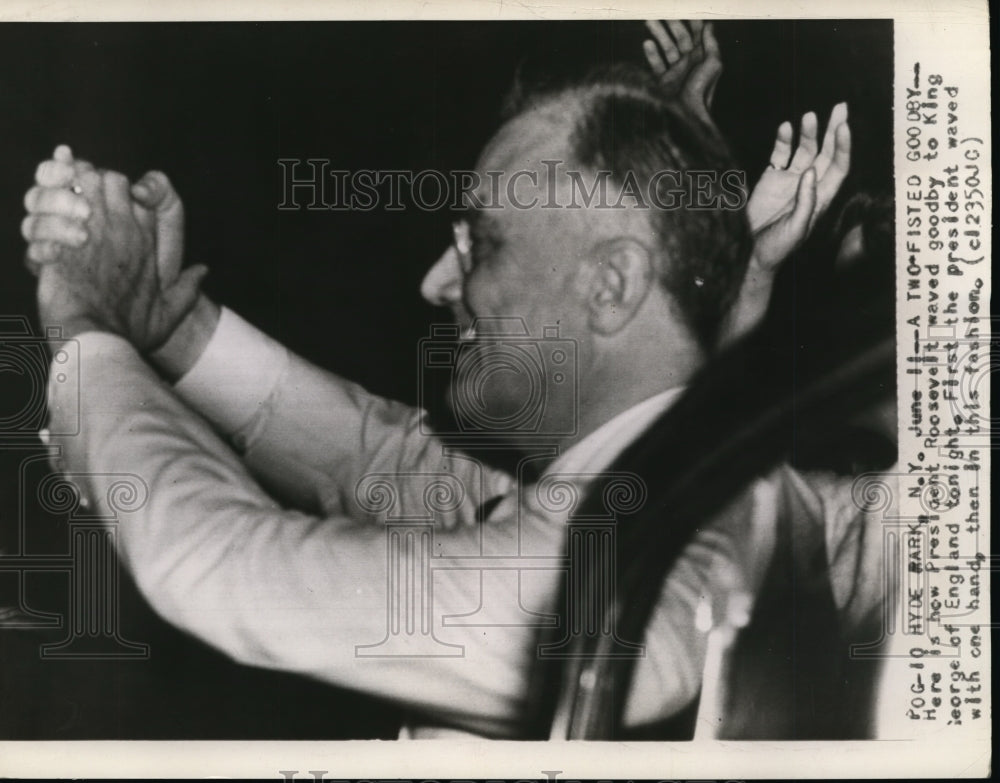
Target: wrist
187, 343
759, 275
69, 328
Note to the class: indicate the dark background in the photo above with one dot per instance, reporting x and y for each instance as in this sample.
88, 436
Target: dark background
215, 106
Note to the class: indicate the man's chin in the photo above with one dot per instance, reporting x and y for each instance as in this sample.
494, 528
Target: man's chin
491, 410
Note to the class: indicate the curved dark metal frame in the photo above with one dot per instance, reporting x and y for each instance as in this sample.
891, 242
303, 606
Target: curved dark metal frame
725, 431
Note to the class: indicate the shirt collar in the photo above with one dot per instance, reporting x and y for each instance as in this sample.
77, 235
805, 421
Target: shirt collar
600, 448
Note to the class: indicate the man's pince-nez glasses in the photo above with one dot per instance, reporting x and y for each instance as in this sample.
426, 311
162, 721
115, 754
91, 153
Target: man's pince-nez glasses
462, 240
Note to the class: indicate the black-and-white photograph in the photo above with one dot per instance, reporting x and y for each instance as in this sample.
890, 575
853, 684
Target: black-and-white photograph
404, 380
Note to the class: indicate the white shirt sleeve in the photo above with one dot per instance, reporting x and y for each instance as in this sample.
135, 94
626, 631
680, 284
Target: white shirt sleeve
308, 435
217, 557
235, 374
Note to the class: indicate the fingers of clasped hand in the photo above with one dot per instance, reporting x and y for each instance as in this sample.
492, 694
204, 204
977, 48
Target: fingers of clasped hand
109, 252
58, 215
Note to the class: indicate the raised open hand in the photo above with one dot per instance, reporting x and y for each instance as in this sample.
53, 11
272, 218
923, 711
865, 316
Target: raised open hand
785, 204
796, 189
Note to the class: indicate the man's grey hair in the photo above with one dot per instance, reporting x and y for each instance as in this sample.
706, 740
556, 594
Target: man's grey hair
625, 124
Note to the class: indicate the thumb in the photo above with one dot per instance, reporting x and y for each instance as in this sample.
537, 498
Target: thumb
776, 241
148, 190
713, 63
710, 42
155, 192
709, 69
181, 297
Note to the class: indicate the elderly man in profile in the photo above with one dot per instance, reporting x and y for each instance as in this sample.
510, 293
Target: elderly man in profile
219, 420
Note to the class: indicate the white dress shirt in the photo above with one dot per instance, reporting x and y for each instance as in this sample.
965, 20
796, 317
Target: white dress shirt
302, 584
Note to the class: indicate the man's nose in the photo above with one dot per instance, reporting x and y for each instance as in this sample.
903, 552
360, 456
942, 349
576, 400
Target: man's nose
442, 285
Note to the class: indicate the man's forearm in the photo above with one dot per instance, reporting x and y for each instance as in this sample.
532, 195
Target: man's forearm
266, 585
750, 306
189, 340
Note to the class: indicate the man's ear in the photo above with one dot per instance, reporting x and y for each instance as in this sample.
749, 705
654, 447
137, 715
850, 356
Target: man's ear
622, 273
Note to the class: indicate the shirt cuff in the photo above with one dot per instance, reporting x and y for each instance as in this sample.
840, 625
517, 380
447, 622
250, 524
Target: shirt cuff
235, 374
